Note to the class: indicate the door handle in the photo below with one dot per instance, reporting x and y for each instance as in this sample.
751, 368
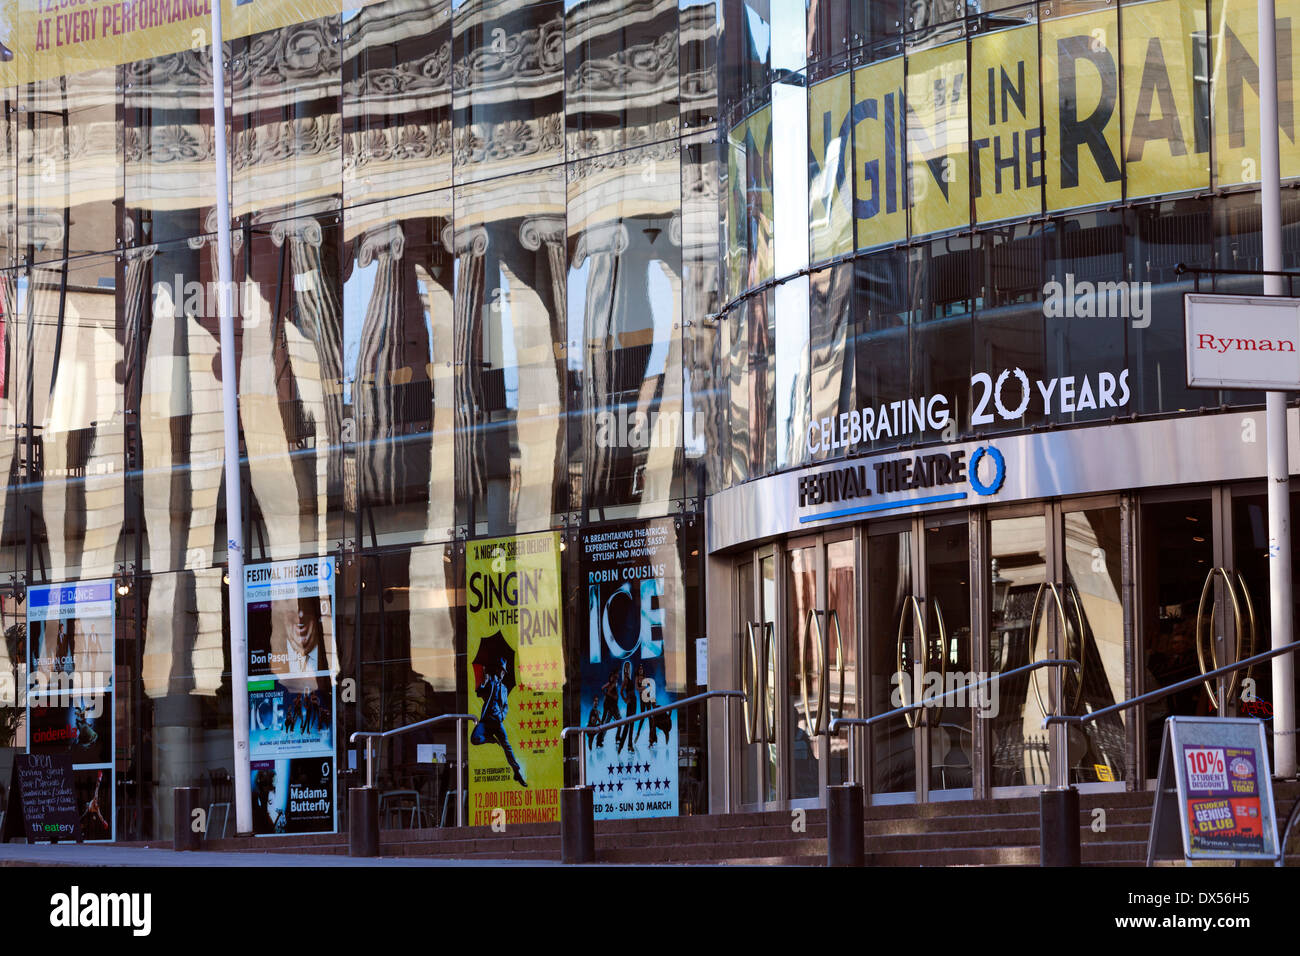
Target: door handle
749, 684
769, 672
1050, 586
904, 677
943, 662
1249, 636
1201, 631
834, 622
816, 724
1082, 657
1246, 627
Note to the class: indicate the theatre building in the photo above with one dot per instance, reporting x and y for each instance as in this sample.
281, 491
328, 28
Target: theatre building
595, 354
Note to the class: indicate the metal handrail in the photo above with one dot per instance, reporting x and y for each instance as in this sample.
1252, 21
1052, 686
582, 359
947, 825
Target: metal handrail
1292, 819
1082, 719
622, 721
855, 722
371, 735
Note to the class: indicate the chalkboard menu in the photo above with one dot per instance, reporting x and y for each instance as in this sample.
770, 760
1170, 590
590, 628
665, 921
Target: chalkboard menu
42, 804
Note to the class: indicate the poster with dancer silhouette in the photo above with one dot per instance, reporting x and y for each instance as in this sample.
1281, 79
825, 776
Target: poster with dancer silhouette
516, 679
630, 613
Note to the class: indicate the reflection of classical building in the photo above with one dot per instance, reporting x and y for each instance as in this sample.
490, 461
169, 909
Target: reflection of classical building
465, 242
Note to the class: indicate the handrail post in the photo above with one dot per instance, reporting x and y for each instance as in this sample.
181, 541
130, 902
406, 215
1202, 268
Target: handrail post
726, 754
460, 772
578, 812
853, 754
1058, 805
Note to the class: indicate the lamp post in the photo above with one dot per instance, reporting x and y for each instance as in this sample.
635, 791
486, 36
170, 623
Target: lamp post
1279, 503
230, 409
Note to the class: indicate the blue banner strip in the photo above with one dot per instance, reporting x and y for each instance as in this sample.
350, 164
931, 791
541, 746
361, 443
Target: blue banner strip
885, 506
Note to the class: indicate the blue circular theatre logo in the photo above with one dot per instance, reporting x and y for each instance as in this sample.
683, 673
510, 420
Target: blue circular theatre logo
999, 470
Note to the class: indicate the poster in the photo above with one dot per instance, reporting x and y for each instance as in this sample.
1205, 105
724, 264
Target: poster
625, 572
516, 678
293, 795
291, 696
1223, 809
70, 664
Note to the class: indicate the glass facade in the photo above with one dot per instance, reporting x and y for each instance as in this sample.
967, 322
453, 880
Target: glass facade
509, 273
995, 201
475, 245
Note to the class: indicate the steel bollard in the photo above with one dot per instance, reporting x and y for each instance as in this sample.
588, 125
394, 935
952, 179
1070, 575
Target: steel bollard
1058, 827
363, 821
844, 825
577, 825
185, 801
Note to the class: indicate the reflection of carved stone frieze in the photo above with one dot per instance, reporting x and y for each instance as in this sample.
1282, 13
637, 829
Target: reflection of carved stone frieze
181, 80
512, 60
513, 139
630, 73
69, 143
429, 74
170, 143
588, 142
700, 181
287, 58
461, 241
926, 14
665, 151
699, 88
309, 136
386, 240
396, 143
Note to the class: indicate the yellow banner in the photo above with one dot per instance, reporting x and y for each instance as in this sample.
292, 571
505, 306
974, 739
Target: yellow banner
50, 38
1235, 89
1006, 131
880, 209
515, 614
750, 255
1166, 116
830, 165
1081, 110
737, 210
936, 124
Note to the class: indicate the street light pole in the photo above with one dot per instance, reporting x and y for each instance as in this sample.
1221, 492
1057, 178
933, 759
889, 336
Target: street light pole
230, 408
1279, 497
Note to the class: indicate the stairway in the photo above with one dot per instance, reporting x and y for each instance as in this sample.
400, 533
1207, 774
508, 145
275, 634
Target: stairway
1000, 832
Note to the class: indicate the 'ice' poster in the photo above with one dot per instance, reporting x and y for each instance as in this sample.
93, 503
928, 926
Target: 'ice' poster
516, 678
291, 695
625, 575
70, 690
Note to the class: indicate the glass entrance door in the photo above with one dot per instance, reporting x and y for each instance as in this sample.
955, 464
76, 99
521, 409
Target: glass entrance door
919, 639
797, 610
1055, 592
1204, 574
756, 637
